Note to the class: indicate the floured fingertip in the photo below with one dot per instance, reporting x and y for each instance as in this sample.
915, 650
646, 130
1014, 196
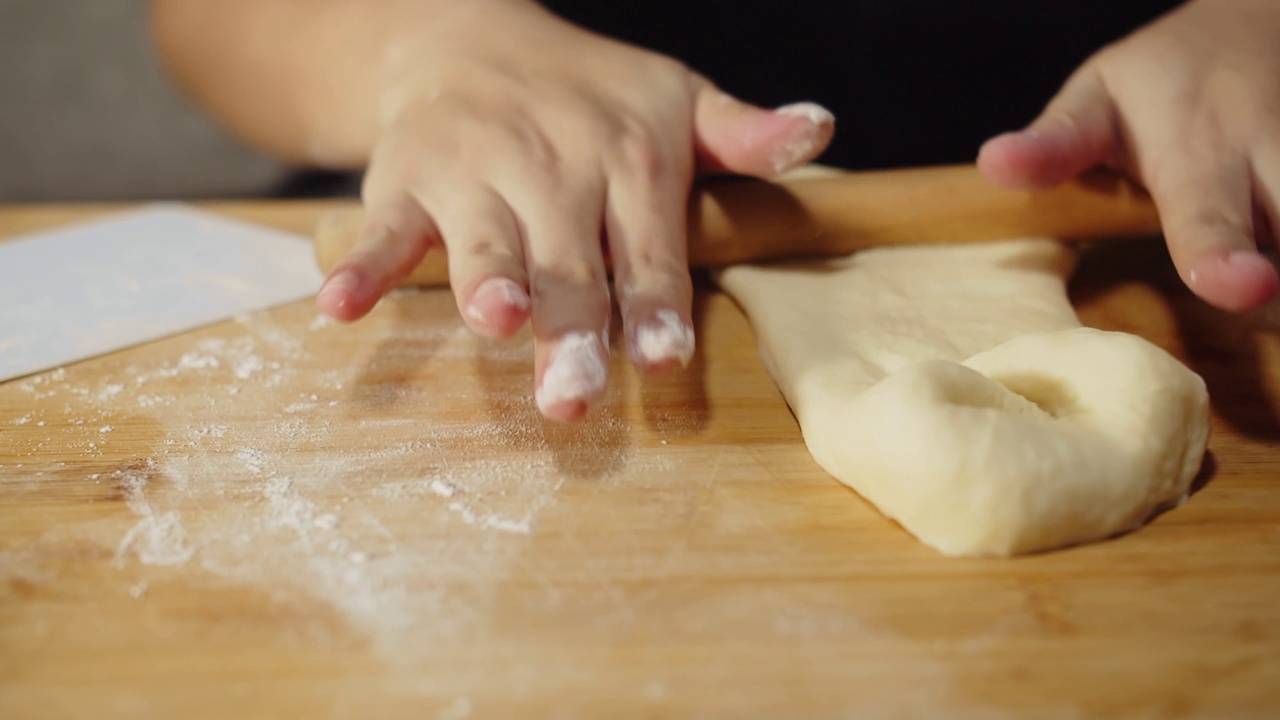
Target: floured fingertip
811, 111
1237, 280
807, 142
665, 341
498, 306
574, 377
339, 296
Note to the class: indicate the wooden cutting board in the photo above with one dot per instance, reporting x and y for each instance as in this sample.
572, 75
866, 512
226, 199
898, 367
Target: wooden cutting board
279, 516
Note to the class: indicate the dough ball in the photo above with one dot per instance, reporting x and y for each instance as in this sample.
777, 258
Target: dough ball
1048, 440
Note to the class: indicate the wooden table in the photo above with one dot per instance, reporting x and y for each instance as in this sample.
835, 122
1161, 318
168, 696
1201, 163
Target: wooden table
279, 516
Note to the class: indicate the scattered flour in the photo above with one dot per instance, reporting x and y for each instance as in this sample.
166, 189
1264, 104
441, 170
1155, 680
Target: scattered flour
247, 367
320, 322
255, 478
442, 489
196, 361
156, 539
497, 522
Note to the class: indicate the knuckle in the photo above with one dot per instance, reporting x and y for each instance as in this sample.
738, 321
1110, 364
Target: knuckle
665, 67
492, 253
640, 152
658, 269
576, 273
656, 255
391, 169
481, 248
534, 148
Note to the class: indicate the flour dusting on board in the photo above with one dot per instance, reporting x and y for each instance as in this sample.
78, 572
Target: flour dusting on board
352, 489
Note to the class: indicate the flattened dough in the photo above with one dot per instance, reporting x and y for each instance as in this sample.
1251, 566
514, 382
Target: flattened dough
955, 389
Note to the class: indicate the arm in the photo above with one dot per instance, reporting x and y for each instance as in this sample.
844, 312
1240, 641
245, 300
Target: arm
303, 80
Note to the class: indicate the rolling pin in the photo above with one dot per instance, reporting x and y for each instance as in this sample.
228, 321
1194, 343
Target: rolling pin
734, 220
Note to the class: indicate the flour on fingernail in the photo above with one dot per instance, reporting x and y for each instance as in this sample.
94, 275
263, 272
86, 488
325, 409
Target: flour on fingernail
575, 371
664, 337
803, 146
496, 290
813, 112
476, 314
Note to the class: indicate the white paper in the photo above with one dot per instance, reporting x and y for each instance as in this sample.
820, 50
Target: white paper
85, 290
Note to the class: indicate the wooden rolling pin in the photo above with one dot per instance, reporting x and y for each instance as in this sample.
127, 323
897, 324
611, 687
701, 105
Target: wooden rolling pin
736, 220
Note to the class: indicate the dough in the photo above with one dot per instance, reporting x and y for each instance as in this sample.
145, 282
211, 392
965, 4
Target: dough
955, 389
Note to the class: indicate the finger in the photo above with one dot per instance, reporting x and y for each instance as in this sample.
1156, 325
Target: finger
645, 226
486, 261
395, 236
570, 294
734, 137
1266, 193
1075, 132
1206, 209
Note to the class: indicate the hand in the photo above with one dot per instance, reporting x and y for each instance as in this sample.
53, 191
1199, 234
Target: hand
1189, 107
521, 142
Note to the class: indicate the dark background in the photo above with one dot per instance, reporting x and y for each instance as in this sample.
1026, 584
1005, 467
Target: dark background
911, 82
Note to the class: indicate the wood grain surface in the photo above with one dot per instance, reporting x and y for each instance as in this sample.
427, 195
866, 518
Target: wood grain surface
278, 516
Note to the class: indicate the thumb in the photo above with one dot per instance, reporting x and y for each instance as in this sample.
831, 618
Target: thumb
1075, 132
731, 136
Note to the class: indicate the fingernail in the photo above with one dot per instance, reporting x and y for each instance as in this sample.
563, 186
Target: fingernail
662, 339
498, 291
1241, 257
343, 285
803, 146
813, 112
575, 371
1234, 261
1021, 138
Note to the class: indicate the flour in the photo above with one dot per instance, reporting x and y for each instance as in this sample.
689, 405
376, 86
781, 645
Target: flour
327, 522
156, 539
442, 489
664, 338
196, 361
150, 401
497, 522
802, 146
321, 322
338, 488
247, 367
575, 371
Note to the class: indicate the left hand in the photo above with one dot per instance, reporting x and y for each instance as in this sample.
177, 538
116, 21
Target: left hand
1189, 107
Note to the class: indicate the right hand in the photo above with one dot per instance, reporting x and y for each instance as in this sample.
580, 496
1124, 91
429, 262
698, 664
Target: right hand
519, 141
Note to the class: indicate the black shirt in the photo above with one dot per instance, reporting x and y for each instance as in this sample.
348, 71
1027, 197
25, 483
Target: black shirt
911, 82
